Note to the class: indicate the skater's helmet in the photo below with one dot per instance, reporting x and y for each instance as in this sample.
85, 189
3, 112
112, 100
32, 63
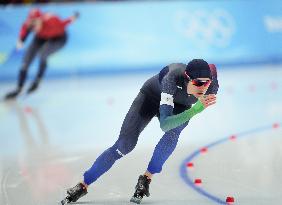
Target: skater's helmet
34, 13
198, 68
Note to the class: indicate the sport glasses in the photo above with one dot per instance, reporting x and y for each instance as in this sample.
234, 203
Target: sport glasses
200, 83
197, 82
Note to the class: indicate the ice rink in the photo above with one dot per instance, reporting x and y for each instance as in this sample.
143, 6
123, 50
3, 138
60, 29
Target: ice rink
48, 140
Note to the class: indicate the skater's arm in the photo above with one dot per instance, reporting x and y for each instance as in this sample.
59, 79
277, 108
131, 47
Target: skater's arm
24, 32
168, 121
66, 22
71, 19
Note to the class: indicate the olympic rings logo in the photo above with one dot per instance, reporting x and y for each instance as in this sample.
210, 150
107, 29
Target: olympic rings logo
214, 28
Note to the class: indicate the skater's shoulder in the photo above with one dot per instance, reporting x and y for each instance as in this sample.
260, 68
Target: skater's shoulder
175, 66
176, 69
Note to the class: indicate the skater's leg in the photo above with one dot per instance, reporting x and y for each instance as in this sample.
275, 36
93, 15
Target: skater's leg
29, 56
138, 116
27, 59
50, 47
148, 174
166, 145
163, 150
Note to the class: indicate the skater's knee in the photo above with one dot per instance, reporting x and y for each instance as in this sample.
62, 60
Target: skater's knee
24, 67
174, 132
125, 147
43, 62
124, 150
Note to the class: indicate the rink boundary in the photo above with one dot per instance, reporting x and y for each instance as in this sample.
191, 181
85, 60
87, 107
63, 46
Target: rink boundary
60, 73
185, 174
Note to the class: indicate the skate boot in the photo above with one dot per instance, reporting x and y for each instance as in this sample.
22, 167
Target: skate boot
13, 94
73, 194
141, 189
32, 88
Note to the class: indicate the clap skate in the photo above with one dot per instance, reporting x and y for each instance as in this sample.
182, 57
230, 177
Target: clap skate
141, 189
73, 194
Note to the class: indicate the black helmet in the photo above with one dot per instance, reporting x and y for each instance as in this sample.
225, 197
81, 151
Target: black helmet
198, 68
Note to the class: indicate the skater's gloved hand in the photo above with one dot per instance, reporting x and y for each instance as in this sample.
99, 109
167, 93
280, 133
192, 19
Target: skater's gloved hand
75, 16
208, 100
19, 44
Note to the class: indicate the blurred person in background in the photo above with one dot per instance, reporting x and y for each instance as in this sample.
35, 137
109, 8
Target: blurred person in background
49, 37
176, 94
22, 1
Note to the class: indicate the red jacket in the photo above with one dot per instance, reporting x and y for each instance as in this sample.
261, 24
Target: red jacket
52, 26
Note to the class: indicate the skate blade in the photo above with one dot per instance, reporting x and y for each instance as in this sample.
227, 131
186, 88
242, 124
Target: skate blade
135, 200
65, 201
